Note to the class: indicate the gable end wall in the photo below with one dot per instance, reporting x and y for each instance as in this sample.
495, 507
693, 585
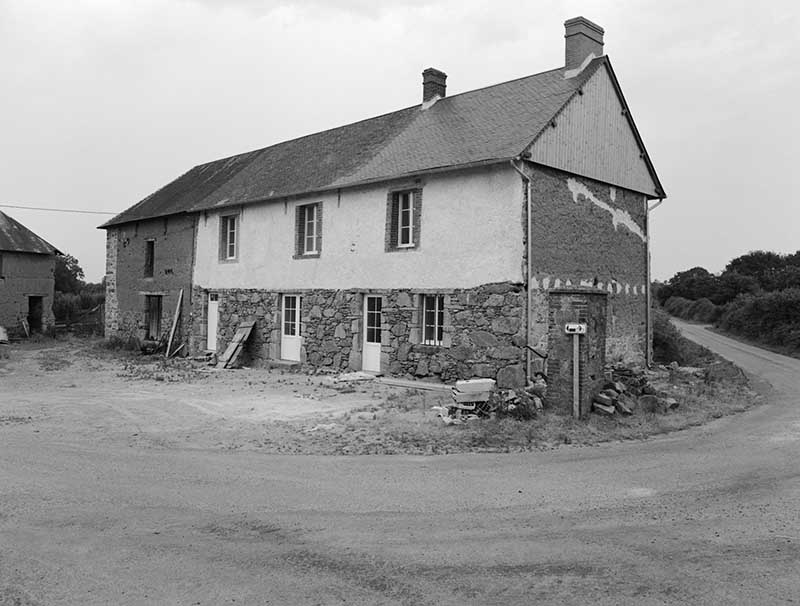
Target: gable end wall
592, 136
590, 234
127, 286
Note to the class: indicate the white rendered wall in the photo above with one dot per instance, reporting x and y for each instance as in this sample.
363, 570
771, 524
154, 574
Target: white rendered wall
471, 234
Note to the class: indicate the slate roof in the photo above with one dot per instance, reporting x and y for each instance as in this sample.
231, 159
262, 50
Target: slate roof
486, 125
15, 237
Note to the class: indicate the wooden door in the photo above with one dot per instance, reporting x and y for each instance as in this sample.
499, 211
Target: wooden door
371, 354
213, 321
291, 340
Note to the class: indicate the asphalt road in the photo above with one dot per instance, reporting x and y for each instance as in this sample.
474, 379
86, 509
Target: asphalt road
705, 516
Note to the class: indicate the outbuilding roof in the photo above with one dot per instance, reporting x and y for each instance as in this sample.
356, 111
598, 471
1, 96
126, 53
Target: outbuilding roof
15, 237
482, 126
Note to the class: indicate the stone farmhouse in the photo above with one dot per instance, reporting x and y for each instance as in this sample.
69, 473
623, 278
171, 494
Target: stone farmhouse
27, 269
437, 240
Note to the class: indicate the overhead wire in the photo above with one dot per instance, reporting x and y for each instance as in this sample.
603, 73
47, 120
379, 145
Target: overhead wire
60, 210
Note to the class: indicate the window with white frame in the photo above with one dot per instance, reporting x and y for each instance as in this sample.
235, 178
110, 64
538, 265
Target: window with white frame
229, 237
405, 220
403, 213
432, 319
308, 230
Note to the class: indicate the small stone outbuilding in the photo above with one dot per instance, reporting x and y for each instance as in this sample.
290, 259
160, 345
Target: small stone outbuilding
27, 270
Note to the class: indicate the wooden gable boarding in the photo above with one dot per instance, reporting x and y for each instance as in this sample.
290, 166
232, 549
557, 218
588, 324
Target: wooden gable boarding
593, 136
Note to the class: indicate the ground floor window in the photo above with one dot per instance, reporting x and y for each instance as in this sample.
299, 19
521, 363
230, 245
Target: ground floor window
433, 319
152, 317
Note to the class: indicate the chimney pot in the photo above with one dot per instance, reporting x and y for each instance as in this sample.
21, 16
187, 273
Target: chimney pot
434, 83
583, 38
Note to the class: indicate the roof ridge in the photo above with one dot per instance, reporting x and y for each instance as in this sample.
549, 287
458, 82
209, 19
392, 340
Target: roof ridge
363, 120
489, 122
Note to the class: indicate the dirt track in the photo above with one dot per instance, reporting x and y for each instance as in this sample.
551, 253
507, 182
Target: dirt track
92, 514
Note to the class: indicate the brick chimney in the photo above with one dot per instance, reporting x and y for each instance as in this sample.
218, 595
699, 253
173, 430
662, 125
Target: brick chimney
583, 38
434, 83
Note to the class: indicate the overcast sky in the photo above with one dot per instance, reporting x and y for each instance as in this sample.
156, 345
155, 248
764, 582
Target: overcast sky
104, 101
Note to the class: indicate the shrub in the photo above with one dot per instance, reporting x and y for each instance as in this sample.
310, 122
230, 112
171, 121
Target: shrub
670, 346
678, 307
772, 318
704, 310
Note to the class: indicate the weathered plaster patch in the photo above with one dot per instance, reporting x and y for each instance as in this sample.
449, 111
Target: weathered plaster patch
618, 216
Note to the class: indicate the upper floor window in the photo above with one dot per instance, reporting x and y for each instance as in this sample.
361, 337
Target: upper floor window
403, 219
149, 258
229, 237
308, 222
405, 222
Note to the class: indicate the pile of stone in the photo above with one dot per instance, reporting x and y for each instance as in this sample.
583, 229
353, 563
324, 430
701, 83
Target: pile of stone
628, 390
614, 398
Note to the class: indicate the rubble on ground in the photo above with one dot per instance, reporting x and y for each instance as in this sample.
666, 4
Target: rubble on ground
480, 398
629, 390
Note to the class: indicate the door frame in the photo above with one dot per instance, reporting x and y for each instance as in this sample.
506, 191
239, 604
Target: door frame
291, 344
371, 346
209, 332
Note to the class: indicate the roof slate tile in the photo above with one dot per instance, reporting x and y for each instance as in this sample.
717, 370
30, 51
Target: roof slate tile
488, 124
15, 237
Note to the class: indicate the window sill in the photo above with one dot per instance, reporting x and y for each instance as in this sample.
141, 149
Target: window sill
232, 260
315, 255
402, 248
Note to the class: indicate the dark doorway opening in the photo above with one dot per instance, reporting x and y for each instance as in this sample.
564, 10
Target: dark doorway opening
152, 312
35, 308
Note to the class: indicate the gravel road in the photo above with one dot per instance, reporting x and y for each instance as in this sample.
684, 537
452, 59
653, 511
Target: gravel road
709, 515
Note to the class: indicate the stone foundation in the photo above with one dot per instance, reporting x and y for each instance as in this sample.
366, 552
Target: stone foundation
483, 330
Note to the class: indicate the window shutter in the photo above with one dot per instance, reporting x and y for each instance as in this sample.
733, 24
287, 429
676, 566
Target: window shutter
299, 224
417, 216
394, 222
319, 227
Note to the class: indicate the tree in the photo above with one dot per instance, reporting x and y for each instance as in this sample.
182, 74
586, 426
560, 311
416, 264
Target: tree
731, 284
760, 264
693, 284
68, 274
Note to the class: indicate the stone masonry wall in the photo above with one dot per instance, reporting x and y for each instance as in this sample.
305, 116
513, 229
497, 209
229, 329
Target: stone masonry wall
483, 330
127, 282
588, 234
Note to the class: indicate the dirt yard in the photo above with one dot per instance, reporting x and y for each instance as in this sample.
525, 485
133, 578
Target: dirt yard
73, 386
77, 385
121, 485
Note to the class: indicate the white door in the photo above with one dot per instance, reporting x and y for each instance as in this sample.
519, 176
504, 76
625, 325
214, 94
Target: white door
290, 333
213, 321
371, 355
